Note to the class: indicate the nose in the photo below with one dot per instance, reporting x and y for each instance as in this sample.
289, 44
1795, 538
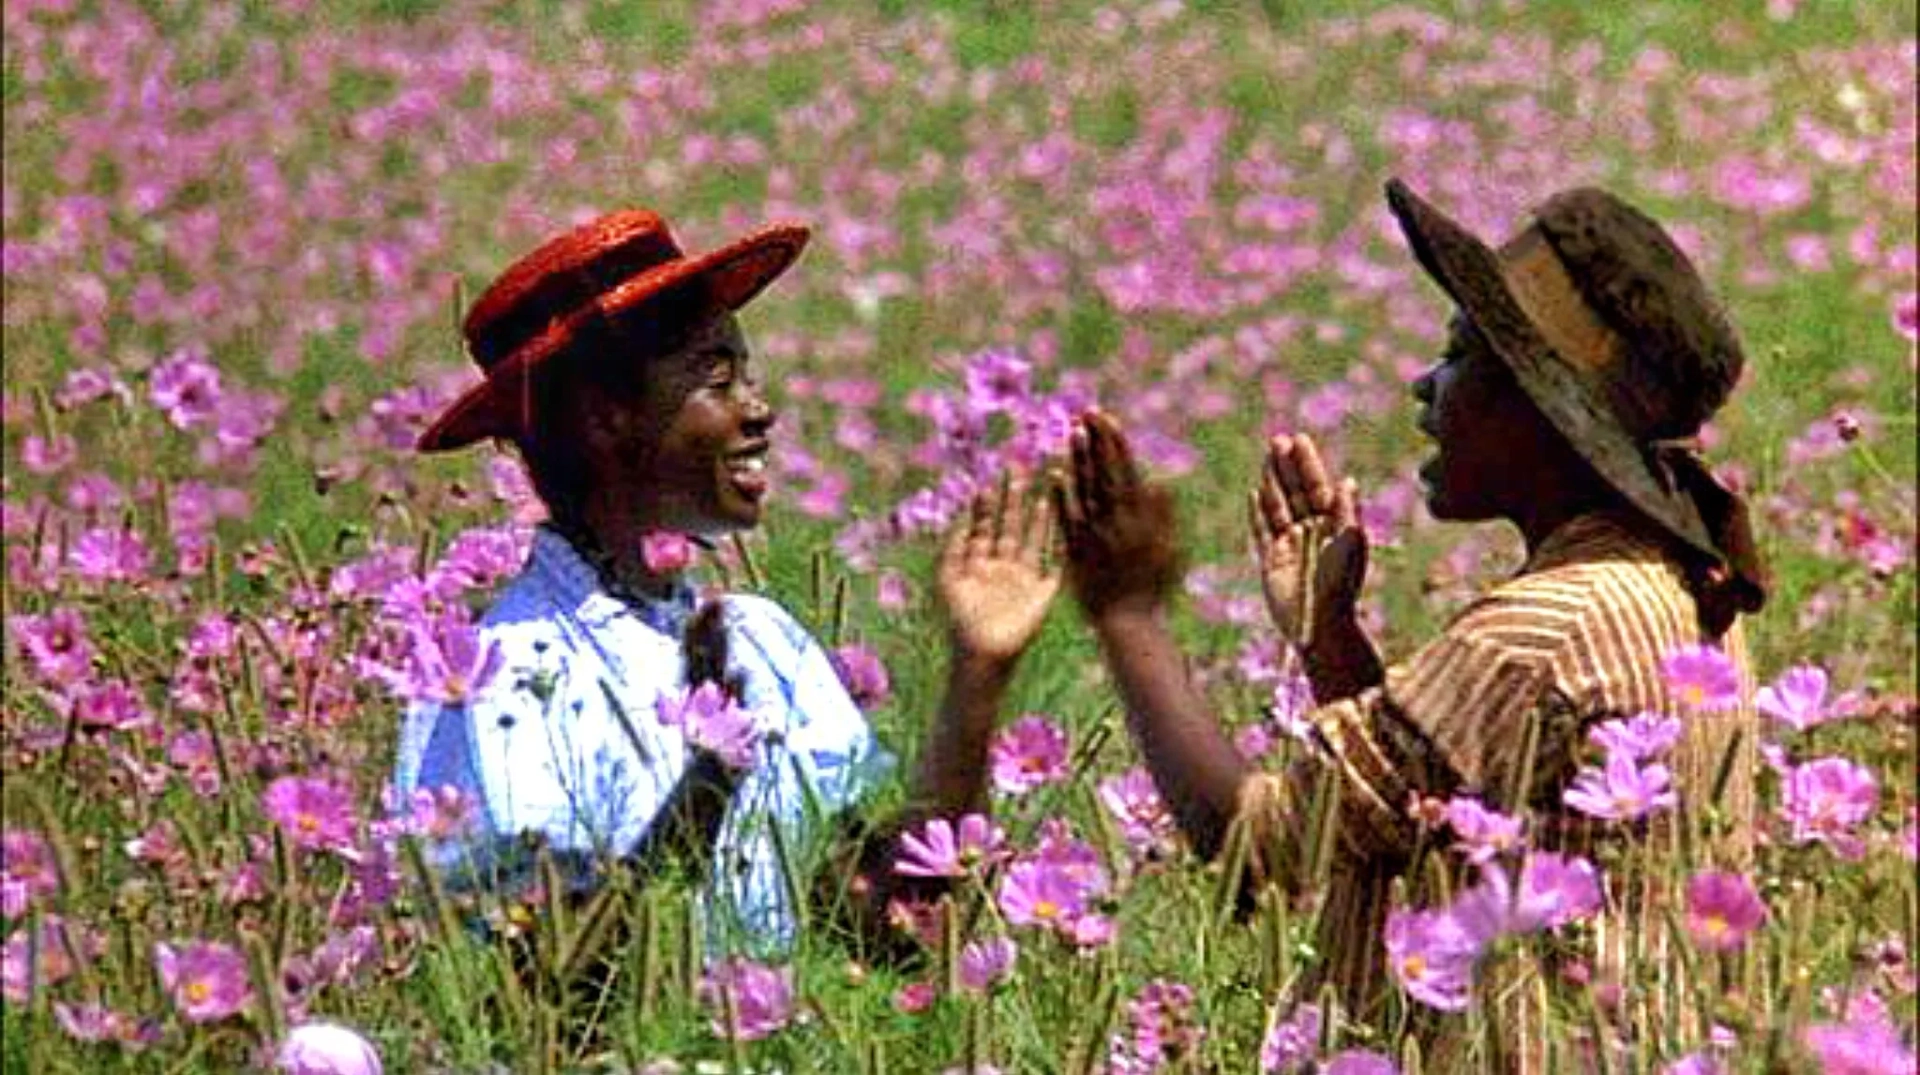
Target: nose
756, 414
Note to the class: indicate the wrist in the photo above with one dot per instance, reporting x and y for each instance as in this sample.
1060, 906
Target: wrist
968, 660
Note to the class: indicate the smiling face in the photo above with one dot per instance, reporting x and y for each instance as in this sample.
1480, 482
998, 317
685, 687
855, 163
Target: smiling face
1486, 428
689, 451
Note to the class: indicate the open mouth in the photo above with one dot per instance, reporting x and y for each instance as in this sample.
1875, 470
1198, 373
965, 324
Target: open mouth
747, 471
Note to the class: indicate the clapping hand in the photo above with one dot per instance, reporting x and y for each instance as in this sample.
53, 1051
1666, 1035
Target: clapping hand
1307, 537
994, 579
1123, 548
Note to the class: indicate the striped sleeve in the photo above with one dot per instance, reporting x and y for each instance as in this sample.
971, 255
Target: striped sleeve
1452, 716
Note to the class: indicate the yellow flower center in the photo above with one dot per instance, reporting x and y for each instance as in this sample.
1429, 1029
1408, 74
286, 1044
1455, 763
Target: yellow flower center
1694, 695
197, 992
1046, 909
1716, 925
1413, 966
307, 824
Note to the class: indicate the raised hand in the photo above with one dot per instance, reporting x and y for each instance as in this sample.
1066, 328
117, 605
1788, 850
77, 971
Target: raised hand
1123, 549
1308, 539
993, 578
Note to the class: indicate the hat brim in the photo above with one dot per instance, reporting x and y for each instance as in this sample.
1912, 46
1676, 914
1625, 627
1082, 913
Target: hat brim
733, 274
1468, 270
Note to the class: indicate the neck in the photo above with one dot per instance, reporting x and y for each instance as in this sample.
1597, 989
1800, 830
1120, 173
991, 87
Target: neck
1559, 497
612, 539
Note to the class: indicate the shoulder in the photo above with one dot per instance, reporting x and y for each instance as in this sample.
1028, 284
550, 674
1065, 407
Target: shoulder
1601, 580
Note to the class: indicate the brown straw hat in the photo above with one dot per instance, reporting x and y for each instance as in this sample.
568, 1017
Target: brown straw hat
606, 272
1612, 334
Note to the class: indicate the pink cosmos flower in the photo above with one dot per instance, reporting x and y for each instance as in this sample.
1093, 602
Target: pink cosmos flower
1162, 1032
1432, 957
666, 552
1359, 1062
915, 997
1291, 1044
1623, 791
762, 998
1554, 891
1703, 678
94, 1022
326, 1049
1722, 910
984, 964
1866, 1043
40, 961
206, 979
109, 554
939, 851
712, 721
440, 813
1695, 1064
57, 643
1027, 754
864, 675
1145, 822
1798, 698
1826, 799
28, 871
112, 706
1647, 735
1484, 834
186, 387
315, 813
1041, 894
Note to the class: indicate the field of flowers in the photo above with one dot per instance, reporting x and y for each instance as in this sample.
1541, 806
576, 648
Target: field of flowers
236, 240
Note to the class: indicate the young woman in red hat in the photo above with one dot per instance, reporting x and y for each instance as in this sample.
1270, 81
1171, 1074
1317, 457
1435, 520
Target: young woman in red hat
1585, 353
615, 366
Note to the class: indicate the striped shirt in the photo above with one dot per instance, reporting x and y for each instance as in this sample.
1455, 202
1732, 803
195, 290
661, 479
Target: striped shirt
1577, 637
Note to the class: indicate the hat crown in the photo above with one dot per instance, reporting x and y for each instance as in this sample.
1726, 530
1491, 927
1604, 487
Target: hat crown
563, 277
1682, 356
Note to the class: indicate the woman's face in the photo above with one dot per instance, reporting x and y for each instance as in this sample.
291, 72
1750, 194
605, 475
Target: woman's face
1484, 425
690, 454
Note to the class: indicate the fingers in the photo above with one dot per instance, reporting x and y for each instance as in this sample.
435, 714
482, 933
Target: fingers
1315, 489
1301, 477
1112, 453
1346, 509
1067, 510
980, 523
1034, 544
1088, 489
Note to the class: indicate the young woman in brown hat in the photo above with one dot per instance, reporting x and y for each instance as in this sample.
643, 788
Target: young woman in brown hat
615, 366
1583, 353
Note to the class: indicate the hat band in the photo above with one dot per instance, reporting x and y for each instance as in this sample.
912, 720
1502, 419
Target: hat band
1546, 293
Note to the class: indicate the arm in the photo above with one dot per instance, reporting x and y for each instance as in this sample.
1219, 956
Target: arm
996, 590
1193, 763
1124, 566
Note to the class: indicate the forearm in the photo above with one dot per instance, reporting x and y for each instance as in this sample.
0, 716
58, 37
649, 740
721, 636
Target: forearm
859, 884
1192, 761
951, 779
1341, 661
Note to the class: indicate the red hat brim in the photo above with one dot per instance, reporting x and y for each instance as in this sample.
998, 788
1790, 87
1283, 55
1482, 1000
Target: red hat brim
502, 405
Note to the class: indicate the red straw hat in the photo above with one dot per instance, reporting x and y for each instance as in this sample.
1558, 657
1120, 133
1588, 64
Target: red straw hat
607, 271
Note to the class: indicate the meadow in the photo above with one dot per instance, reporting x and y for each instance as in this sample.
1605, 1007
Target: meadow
237, 241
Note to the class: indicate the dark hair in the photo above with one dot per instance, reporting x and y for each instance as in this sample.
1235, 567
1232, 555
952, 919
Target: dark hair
607, 360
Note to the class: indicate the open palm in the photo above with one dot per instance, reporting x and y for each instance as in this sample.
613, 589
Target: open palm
1307, 536
994, 579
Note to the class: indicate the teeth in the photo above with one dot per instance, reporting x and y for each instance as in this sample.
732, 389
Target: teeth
752, 464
